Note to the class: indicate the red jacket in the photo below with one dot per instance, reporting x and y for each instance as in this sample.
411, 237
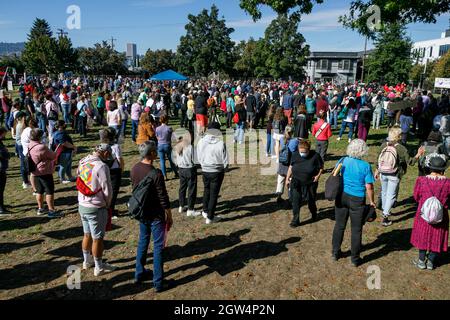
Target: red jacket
325, 134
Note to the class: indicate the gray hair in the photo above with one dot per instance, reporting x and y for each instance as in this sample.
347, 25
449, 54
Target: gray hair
357, 149
395, 134
146, 149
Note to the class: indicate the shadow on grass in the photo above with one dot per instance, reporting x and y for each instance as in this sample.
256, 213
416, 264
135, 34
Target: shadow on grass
74, 250
24, 223
386, 243
11, 247
234, 259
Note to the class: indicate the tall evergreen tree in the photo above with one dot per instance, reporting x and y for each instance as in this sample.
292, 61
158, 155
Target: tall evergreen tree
67, 55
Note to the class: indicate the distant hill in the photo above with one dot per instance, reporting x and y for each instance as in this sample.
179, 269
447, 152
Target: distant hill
10, 48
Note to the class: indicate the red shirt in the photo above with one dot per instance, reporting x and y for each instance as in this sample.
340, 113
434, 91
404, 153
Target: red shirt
325, 134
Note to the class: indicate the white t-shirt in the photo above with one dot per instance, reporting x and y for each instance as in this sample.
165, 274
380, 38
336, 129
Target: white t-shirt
25, 140
117, 154
113, 117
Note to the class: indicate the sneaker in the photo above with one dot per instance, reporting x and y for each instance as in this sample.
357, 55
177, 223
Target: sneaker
420, 264
106, 268
274, 157
430, 265
114, 218
66, 181
26, 185
182, 209
338, 139
336, 256
214, 220
88, 264
386, 222
205, 215
294, 225
34, 194
349, 140
54, 215
41, 212
356, 263
193, 213
167, 285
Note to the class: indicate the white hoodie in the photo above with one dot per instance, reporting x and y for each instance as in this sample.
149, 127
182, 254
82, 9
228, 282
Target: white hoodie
212, 154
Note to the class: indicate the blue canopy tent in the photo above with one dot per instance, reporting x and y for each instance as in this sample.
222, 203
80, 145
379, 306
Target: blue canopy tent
168, 75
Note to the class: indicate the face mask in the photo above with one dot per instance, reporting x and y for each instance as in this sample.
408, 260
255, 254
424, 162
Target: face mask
303, 155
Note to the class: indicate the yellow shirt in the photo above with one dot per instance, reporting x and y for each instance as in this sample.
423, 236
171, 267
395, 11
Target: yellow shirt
191, 104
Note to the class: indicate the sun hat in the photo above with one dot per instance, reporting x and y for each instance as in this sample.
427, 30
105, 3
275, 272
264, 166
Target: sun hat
436, 162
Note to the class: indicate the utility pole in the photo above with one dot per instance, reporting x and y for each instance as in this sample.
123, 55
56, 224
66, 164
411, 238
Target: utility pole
364, 61
62, 33
112, 42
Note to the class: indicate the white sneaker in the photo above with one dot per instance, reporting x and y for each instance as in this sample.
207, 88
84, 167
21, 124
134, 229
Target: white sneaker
205, 215
106, 268
338, 139
182, 209
193, 213
66, 182
89, 264
215, 220
274, 157
26, 186
349, 140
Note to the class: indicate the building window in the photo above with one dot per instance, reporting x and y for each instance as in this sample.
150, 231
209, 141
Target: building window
444, 49
431, 52
346, 64
322, 64
341, 64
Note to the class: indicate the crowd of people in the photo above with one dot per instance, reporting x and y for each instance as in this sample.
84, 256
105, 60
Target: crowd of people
294, 116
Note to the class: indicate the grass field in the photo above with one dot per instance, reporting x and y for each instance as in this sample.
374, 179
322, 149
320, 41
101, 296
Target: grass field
252, 254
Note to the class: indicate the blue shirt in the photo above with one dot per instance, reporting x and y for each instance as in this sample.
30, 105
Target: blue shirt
356, 174
292, 144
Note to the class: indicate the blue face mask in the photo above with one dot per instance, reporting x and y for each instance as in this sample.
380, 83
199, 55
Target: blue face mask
304, 155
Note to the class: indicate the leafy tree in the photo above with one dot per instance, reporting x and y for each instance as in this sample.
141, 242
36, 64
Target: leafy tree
441, 69
207, 46
157, 61
417, 73
391, 60
392, 11
13, 61
249, 59
284, 49
102, 60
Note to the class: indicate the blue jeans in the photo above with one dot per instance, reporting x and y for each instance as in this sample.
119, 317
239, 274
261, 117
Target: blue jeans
158, 228
134, 129
65, 166
41, 122
344, 126
163, 150
7, 115
123, 129
334, 118
66, 113
389, 190
239, 132
23, 164
270, 144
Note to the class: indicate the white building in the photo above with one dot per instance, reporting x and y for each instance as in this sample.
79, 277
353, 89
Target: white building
132, 54
430, 50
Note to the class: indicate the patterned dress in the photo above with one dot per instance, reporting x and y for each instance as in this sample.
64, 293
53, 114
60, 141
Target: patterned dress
426, 236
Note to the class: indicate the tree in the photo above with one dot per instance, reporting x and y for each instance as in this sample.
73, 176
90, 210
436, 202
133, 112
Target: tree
157, 61
392, 11
207, 46
13, 61
416, 74
101, 60
284, 49
67, 55
248, 57
391, 60
441, 68
39, 54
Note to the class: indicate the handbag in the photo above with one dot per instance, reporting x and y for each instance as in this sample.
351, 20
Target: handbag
334, 184
236, 118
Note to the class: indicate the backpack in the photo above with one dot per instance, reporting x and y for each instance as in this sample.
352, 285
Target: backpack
136, 205
285, 155
388, 160
432, 210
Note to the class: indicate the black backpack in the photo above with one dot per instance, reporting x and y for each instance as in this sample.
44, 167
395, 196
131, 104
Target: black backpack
136, 205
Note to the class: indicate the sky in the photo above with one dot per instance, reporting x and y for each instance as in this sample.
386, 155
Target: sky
159, 24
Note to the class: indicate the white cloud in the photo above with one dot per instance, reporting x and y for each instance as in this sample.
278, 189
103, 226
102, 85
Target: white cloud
161, 3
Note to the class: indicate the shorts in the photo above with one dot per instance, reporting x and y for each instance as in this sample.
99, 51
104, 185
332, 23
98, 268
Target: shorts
95, 223
277, 136
250, 116
45, 184
202, 120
